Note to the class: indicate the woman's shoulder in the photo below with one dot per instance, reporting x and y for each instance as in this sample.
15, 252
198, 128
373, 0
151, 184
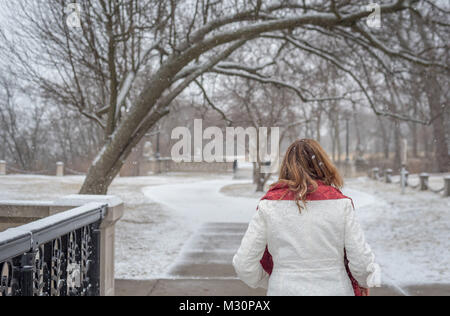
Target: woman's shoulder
274, 205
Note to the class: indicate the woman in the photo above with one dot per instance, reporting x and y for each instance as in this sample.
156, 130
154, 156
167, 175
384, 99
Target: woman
305, 230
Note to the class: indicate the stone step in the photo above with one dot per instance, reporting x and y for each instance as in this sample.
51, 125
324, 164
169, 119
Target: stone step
185, 287
199, 270
221, 287
211, 244
201, 257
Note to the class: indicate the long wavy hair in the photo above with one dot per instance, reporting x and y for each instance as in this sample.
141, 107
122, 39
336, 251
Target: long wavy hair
305, 163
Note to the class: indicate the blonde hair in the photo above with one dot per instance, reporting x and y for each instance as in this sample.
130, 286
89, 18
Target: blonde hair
305, 163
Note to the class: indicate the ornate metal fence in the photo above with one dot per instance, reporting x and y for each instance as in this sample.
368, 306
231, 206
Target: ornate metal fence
56, 256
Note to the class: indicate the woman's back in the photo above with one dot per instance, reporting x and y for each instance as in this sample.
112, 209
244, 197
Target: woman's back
305, 230
307, 248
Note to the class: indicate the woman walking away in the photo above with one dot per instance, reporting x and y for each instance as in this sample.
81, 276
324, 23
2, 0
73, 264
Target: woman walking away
305, 239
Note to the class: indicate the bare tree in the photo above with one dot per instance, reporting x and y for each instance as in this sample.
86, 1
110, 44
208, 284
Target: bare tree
167, 45
23, 142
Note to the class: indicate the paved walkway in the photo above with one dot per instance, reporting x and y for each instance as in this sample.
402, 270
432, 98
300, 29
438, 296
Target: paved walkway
204, 269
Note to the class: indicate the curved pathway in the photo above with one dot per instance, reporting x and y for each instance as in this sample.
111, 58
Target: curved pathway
217, 223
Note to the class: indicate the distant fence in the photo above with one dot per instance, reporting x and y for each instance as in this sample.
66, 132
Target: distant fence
164, 165
422, 185
59, 171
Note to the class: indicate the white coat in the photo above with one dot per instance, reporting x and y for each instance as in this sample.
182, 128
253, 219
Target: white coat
307, 249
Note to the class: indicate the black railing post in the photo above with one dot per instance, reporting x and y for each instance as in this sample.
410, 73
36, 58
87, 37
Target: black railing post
27, 274
94, 261
64, 263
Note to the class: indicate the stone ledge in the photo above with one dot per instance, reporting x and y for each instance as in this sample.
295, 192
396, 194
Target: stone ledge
115, 205
230, 287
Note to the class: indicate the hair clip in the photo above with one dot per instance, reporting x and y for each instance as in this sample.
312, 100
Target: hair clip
321, 164
313, 157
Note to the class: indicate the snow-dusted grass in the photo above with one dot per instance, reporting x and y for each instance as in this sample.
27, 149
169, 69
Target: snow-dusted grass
23, 187
409, 233
147, 238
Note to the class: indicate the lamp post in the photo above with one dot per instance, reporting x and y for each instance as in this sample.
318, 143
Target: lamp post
404, 162
157, 154
157, 134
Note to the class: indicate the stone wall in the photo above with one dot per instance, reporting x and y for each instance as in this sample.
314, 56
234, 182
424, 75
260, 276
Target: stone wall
168, 165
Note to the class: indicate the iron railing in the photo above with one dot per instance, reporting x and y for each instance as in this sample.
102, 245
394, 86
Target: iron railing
55, 256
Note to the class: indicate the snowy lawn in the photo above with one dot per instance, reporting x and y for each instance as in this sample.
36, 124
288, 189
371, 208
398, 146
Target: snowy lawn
410, 234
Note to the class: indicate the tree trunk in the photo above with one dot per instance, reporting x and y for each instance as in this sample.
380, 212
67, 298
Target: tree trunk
261, 179
398, 146
338, 139
415, 139
385, 139
260, 184
111, 158
427, 147
433, 91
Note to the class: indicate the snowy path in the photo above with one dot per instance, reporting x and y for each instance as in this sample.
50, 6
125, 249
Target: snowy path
197, 202
200, 202
410, 241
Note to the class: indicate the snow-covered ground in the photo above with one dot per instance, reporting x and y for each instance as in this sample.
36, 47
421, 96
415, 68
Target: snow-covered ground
409, 233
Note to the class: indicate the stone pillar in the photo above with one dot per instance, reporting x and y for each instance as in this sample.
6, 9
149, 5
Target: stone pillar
113, 215
406, 177
424, 177
60, 169
388, 175
375, 173
158, 166
447, 186
2, 167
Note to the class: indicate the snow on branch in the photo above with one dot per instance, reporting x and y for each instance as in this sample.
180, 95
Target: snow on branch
265, 80
131, 77
167, 99
391, 52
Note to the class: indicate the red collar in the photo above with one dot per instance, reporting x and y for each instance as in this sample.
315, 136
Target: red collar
323, 192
